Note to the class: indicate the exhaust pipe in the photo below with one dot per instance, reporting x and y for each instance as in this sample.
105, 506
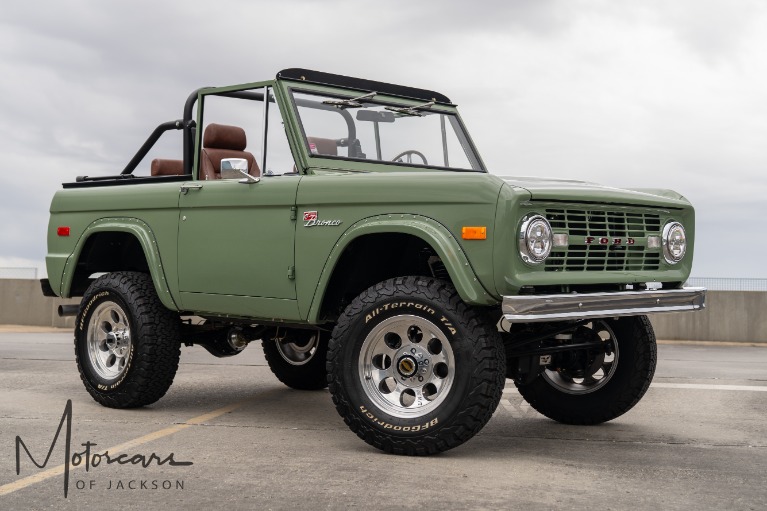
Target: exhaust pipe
68, 310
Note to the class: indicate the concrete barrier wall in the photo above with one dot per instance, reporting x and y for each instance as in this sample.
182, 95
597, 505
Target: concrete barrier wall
738, 316
22, 303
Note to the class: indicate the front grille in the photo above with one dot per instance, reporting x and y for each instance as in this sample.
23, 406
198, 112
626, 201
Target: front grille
583, 223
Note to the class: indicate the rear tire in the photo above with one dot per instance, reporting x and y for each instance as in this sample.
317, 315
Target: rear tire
615, 385
127, 344
297, 358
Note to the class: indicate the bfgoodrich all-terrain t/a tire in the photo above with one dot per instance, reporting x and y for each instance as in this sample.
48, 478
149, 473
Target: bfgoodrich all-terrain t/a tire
127, 344
612, 383
413, 370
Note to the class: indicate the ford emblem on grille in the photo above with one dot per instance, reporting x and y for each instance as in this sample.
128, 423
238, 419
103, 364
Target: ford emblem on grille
592, 240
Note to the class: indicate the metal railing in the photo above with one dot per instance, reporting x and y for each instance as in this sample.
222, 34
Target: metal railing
728, 284
18, 273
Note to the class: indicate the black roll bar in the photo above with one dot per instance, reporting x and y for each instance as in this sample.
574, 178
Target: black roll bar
150, 142
189, 126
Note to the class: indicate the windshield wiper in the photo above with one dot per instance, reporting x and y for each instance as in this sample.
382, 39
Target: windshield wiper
349, 103
411, 110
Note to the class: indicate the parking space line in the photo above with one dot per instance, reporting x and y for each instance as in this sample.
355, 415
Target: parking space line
691, 386
58, 470
703, 386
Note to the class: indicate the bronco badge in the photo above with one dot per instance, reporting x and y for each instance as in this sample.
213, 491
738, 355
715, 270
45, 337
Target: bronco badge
311, 220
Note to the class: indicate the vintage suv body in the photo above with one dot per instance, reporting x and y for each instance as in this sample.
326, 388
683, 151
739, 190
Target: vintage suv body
368, 248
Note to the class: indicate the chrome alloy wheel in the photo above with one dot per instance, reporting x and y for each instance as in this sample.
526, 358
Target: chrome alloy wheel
599, 371
109, 341
298, 352
406, 366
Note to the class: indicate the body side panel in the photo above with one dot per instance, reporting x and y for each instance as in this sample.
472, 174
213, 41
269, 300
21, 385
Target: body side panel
431, 206
143, 232
148, 211
435, 234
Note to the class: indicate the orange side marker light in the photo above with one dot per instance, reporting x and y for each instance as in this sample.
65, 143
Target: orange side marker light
474, 233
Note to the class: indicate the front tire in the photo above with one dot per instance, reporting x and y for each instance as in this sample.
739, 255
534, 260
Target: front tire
127, 344
413, 370
602, 387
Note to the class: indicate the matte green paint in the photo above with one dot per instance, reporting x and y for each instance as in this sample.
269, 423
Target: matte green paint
272, 309
236, 240
243, 250
141, 231
511, 272
452, 199
154, 204
429, 230
582, 191
233, 236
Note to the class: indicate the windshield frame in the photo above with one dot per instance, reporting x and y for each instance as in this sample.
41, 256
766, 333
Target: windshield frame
373, 165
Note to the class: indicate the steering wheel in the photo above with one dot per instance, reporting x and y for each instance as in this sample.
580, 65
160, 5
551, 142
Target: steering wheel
409, 153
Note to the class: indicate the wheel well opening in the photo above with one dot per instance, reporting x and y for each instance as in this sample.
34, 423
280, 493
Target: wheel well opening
106, 252
373, 258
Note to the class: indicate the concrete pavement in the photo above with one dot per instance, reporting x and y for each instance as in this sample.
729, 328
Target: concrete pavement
256, 444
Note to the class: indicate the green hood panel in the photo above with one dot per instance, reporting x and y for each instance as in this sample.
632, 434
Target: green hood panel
583, 191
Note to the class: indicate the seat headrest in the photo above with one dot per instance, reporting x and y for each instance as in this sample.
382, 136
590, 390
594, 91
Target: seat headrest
167, 167
221, 136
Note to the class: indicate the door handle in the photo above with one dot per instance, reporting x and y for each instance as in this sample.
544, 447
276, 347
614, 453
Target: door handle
185, 188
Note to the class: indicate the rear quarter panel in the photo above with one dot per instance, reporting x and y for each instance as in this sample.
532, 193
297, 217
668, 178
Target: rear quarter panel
153, 204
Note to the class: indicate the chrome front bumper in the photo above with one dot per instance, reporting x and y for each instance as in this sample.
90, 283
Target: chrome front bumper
539, 308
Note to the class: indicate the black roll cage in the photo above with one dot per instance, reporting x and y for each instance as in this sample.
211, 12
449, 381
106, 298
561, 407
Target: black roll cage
189, 126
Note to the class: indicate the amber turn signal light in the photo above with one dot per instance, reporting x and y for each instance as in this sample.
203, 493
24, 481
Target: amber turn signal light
474, 233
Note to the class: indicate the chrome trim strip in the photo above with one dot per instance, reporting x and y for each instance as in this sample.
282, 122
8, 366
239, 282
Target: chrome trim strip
538, 308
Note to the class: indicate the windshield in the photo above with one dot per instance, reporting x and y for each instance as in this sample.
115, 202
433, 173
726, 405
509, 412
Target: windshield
359, 128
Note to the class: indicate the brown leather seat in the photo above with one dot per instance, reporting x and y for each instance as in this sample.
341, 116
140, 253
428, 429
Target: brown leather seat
221, 141
325, 146
167, 167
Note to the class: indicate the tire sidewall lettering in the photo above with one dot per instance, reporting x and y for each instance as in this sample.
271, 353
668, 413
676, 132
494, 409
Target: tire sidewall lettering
405, 429
413, 305
87, 308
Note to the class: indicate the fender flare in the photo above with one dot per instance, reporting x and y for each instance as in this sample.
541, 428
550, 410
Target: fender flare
146, 239
429, 230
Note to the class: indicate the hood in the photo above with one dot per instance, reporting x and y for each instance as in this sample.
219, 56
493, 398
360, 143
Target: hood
565, 190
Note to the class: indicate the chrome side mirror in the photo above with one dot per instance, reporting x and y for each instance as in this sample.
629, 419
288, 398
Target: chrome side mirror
237, 168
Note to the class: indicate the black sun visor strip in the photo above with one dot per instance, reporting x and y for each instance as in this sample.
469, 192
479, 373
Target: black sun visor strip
347, 82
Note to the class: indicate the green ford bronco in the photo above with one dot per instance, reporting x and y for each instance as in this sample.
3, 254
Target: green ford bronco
351, 226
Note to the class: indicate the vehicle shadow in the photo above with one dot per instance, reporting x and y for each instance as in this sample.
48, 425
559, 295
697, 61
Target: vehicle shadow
514, 430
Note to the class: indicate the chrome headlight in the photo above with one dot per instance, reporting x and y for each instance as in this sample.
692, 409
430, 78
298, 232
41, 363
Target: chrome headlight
535, 239
674, 242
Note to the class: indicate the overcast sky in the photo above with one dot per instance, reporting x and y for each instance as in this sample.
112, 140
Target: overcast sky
668, 94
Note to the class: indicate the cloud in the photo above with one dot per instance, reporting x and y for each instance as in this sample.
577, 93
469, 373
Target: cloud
658, 94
